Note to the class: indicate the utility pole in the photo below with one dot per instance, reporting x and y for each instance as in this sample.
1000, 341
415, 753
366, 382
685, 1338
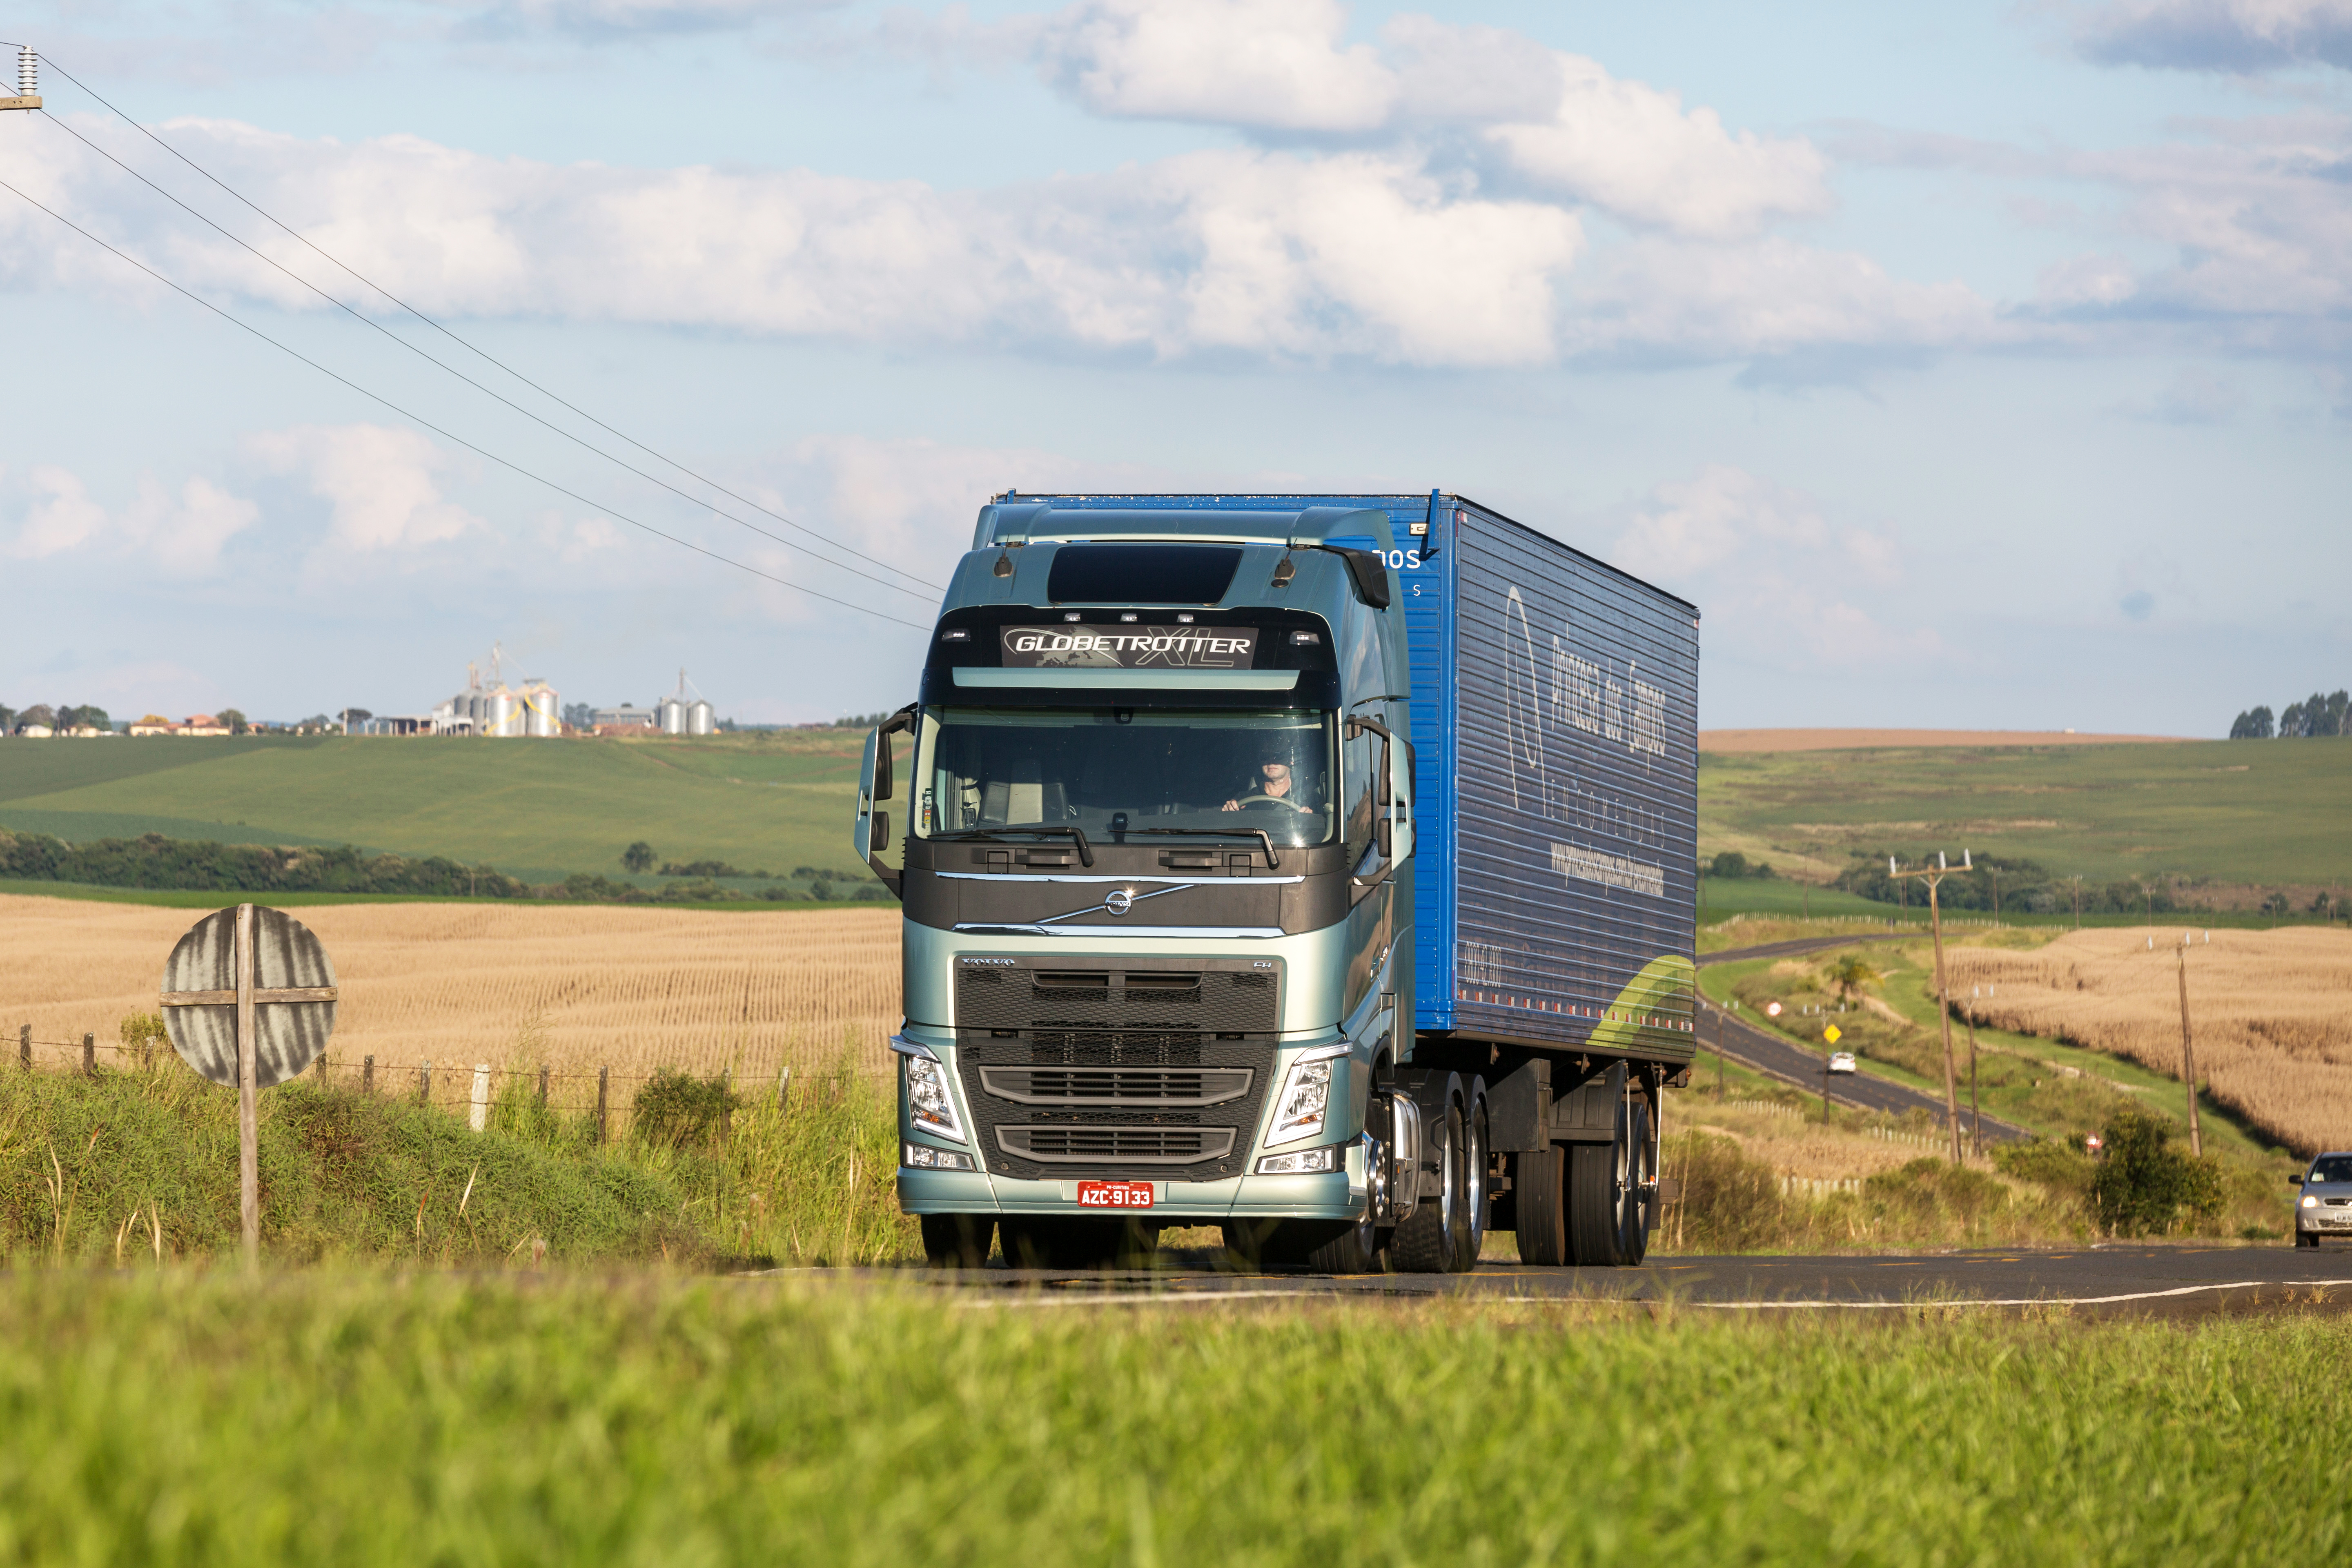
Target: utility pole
1934, 875
2078, 900
1718, 1055
2188, 1051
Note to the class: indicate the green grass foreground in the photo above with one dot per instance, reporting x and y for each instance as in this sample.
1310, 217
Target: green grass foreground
357, 1420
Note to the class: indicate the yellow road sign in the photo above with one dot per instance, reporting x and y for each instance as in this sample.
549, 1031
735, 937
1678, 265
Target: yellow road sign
1831, 1034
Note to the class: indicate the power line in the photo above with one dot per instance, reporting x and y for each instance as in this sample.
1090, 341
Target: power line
453, 337
469, 381
449, 435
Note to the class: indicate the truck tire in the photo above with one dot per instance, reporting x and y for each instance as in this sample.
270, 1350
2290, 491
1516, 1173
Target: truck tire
1600, 1182
957, 1240
1539, 1196
1639, 1186
1429, 1241
1474, 1184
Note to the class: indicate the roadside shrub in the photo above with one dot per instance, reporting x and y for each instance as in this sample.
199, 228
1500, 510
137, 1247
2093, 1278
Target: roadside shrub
678, 1110
2060, 1165
2145, 1186
1729, 1203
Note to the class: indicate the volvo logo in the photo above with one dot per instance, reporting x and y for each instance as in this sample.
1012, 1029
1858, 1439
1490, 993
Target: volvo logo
1119, 900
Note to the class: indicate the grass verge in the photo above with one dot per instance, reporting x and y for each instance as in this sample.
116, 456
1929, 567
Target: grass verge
140, 1166
360, 1419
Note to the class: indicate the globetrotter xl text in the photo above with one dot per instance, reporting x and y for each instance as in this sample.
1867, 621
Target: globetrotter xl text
1132, 648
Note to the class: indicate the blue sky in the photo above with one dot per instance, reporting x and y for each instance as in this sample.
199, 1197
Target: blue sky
1975, 365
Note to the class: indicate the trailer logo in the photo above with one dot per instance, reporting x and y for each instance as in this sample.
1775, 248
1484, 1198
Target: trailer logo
1130, 648
1119, 900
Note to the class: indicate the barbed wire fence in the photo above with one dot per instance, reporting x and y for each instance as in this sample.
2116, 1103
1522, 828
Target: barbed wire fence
603, 1097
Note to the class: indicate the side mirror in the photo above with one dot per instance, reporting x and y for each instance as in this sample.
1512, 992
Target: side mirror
870, 833
2294, 1180
1384, 836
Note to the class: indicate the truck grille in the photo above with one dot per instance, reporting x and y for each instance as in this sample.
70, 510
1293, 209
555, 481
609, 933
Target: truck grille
1093, 1067
1124, 1145
1116, 1085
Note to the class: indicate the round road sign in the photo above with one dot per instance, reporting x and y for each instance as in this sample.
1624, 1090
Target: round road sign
293, 996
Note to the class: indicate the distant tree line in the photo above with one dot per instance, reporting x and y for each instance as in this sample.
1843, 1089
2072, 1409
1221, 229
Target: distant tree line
156, 862
2024, 887
1731, 864
2315, 716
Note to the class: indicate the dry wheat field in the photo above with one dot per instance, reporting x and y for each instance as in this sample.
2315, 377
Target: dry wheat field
517, 986
2269, 1012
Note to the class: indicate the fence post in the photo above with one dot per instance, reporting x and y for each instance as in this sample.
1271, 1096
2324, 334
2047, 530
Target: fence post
320, 1069
89, 1056
24, 1047
726, 1103
424, 1083
479, 1117
367, 1076
601, 1074
784, 1083
542, 1086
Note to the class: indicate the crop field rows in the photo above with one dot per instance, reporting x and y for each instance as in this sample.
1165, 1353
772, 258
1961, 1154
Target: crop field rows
2271, 1013
517, 987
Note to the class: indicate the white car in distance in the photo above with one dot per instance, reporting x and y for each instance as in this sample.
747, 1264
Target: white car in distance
1842, 1061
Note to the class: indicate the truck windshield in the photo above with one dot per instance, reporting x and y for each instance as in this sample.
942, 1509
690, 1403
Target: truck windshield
1113, 770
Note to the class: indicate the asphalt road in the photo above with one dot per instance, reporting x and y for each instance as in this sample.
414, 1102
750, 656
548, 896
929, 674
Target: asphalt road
2098, 1280
1777, 1057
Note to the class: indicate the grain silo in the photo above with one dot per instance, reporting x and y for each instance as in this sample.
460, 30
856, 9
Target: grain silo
700, 718
542, 709
501, 713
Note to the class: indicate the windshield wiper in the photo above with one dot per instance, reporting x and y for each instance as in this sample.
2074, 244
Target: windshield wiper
1085, 854
1273, 861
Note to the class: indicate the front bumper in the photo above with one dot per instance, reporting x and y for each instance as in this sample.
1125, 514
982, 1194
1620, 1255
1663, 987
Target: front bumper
1335, 1194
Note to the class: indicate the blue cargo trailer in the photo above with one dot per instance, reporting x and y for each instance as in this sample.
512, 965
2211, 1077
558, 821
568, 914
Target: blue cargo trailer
1452, 937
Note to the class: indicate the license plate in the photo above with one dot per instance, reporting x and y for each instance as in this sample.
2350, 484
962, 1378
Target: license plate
1114, 1194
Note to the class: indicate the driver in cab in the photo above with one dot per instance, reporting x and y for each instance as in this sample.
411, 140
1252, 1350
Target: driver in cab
1276, 787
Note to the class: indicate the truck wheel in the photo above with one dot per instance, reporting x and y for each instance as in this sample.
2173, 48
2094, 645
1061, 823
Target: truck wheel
1539, 1195
1638, 1186
1429, 1241
1599, 1179
957, 1240
1472, 1235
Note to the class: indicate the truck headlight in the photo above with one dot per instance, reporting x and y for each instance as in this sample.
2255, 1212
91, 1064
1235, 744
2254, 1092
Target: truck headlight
2309, 1201
1304, 1162
930, 1106
923, 1157
1306, 1094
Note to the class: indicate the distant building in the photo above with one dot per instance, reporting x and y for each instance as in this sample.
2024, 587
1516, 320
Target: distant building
626, 718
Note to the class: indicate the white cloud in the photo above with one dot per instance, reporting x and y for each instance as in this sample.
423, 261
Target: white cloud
1765, 297
2219, 35
181, 535
1270, 64
380, 483
1635, 150
1778, 580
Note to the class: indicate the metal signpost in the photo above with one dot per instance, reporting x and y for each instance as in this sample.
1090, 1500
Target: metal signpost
1830, 1035
248, 999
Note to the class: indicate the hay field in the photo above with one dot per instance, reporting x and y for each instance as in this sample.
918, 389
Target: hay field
2271, 1013
518, 986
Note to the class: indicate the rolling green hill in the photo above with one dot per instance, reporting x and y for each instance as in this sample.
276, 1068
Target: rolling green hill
535, 809
2229, 812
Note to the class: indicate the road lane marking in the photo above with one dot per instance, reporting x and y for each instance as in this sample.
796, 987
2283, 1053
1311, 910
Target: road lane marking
2017, 1301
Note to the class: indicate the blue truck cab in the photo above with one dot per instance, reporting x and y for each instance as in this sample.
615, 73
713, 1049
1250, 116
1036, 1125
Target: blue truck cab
1320, 868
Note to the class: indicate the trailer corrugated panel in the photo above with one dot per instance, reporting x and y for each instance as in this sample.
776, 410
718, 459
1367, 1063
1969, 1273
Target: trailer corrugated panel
1558, 905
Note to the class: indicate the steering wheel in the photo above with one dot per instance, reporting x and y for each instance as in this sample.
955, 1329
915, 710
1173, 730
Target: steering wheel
1269, 803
